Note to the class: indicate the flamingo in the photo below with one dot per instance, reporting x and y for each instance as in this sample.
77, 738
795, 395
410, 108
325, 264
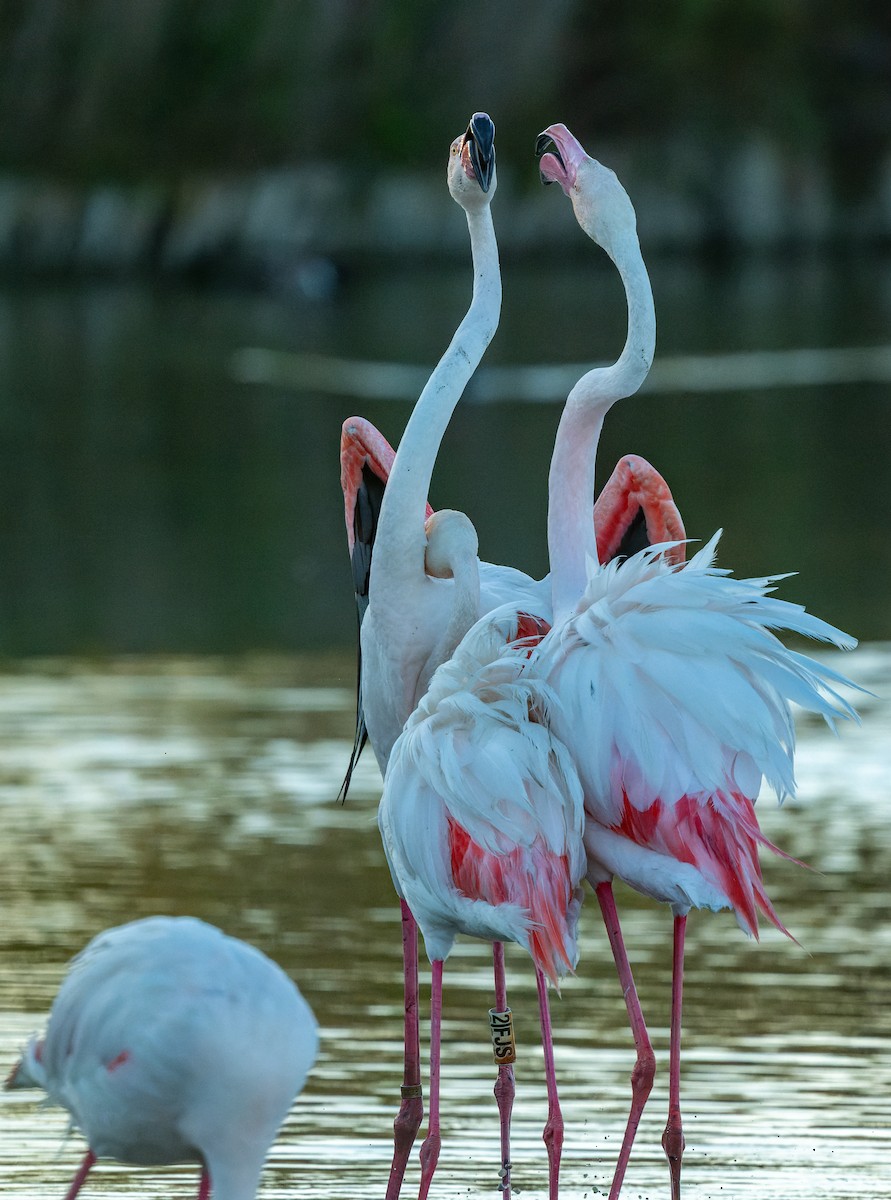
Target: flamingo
635, 508
405, 631
170, 1042
402, 635
482, 819
404, 606
673, 693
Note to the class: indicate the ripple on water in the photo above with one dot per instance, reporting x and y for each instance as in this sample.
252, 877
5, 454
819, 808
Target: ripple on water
209, 787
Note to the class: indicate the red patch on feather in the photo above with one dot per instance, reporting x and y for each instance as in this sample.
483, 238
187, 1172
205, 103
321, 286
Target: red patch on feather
719, 836
533, 880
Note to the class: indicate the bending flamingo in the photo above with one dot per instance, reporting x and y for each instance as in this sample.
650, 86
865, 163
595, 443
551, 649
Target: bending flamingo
169, 1042
481, 818
674, 695
635, 509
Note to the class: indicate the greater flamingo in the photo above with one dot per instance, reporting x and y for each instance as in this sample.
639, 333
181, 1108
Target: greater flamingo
482, 820
634, 509
170, 1042
673, 694
402, 635
405, 632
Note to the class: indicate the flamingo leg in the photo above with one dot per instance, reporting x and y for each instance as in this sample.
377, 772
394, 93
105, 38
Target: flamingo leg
411, 1110
673, 1137
204, 1186
553, 1130
82, 1172
645, 1068
433, 1141
504, 1084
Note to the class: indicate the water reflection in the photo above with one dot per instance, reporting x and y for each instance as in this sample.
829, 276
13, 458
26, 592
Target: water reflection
206, 786
151, 502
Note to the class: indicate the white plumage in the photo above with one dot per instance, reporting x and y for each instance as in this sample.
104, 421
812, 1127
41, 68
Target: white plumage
477, 767
675, 699
669, 667
170, 1042
674, 693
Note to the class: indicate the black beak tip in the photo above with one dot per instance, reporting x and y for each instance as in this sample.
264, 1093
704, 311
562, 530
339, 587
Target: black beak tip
482, 130
545, 144
480, 137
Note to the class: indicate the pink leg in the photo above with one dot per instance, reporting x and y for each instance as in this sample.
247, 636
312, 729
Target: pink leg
204, 1186
411, 1110
645, 1068
433, 1141
504, 1084
553, 1130
673, 1137
82, 1172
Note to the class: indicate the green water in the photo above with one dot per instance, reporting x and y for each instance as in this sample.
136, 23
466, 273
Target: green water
207, 787
177, 627
151, 502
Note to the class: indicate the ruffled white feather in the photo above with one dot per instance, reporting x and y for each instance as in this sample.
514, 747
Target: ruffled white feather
478, 751
672, 683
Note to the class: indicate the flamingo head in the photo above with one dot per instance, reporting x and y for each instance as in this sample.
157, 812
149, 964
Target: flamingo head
451, 543
471, 171
601, 204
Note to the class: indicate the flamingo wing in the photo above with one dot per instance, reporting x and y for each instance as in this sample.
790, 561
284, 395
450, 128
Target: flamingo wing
366, 458
675, 698
482, 813
634, 510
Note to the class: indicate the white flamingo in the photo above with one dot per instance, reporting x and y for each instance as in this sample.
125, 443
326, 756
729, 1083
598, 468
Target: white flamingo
673, 694
169, 1042
482, 820
405, 631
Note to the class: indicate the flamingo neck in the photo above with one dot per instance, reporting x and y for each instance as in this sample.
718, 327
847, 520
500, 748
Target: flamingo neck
572, 542
399, 544
234, 1175
463, 613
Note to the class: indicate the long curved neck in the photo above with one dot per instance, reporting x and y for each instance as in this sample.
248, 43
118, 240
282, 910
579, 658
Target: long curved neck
464, 611
571, 536
399, 544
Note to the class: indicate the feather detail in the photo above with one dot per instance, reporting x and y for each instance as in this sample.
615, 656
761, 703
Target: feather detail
719, 836
672, 683
535, 880
481, 815
675, 701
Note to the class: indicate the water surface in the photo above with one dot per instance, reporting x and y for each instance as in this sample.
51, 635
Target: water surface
207, 785
176, 625
151, 501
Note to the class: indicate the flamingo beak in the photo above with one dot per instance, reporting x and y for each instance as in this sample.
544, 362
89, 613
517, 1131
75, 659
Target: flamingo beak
545, 144
480, 142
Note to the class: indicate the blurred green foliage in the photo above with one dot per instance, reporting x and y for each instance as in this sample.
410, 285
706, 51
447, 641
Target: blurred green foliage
92, 88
